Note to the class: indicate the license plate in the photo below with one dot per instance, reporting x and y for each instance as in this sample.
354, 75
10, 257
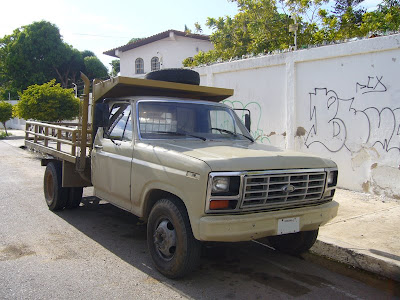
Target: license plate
288, 225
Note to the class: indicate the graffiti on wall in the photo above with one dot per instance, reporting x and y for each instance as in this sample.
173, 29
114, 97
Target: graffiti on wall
339, 123
256, 112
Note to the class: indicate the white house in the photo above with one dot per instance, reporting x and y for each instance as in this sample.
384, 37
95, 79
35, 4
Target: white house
164, 50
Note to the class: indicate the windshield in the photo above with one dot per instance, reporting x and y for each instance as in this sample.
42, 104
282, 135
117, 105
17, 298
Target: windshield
183, 120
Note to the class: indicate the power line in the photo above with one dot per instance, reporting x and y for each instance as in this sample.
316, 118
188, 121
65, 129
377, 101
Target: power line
105, 36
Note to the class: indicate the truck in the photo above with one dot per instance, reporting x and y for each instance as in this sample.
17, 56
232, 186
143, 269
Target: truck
167, 150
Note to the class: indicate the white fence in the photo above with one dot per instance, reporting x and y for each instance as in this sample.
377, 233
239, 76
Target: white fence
340, 102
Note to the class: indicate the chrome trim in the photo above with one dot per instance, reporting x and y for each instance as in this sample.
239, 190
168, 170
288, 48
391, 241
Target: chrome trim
322, 192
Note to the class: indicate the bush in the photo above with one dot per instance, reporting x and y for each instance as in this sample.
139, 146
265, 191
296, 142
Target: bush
47, 102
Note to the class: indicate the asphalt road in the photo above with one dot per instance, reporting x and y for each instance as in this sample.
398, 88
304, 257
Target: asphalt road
99, 252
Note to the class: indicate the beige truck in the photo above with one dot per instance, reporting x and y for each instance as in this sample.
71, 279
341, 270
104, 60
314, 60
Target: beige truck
166, 150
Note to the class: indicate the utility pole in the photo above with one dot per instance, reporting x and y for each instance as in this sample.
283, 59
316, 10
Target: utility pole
293, 28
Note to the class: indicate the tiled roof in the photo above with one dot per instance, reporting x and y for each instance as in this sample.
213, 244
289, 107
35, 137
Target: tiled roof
153, 38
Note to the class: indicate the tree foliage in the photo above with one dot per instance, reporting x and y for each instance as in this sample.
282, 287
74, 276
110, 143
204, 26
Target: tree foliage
47, 102
35, 54
6, 110
115, 67
262, 26
95, 68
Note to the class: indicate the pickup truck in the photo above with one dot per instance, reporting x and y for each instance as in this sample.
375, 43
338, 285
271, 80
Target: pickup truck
173, 155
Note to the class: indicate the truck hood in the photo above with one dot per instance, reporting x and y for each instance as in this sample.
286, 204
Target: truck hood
243, 156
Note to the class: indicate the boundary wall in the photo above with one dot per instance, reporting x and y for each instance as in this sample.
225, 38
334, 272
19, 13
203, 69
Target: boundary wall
340, 102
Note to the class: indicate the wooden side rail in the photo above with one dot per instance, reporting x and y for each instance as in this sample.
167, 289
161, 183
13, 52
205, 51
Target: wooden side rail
51, 139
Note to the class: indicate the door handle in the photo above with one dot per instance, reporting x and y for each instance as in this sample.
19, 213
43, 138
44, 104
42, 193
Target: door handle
98, 147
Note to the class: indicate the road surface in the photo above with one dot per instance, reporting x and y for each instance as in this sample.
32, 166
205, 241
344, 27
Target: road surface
99, 252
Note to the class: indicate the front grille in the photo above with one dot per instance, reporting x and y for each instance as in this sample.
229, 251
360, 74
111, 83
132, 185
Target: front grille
282, 189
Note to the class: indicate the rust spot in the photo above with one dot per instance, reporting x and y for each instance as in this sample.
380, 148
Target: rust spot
365, 186
284, 134
300, 131
373, 166
272, 133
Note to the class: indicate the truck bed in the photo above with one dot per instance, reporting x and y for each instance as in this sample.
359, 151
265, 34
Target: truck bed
61, 140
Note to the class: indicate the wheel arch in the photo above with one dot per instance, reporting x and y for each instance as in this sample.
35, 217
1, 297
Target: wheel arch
153, 195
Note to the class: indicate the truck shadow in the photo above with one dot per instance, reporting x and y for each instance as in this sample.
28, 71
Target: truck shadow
226, 271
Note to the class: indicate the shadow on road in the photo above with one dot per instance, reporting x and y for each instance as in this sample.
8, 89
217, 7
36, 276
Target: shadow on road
226, 270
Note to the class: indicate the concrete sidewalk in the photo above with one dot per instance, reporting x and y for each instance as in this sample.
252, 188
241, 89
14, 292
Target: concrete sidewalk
363, 235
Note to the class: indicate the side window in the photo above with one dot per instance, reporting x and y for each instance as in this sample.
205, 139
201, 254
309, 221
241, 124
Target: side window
155, 63
222, 119
139, 66
120, 121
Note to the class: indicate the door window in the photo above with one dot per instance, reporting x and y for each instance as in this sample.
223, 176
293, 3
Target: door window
120, 123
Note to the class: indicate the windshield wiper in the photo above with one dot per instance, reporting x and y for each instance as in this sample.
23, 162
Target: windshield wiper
181, 134
232, 133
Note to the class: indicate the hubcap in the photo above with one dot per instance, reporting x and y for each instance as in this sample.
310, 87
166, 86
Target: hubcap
165, 239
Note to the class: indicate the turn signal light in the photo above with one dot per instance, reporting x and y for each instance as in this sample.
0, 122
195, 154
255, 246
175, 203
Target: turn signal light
219, 204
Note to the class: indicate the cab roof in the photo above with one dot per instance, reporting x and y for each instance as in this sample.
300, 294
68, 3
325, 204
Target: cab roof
126, 86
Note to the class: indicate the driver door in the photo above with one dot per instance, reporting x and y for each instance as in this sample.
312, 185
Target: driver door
112, 157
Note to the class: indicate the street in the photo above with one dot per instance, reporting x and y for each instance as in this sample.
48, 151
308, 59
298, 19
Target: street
99, 252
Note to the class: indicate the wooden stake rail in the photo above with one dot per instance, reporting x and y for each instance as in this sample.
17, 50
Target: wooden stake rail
56, 140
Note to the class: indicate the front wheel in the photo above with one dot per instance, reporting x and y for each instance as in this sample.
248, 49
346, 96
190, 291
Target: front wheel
294, 243
170, 240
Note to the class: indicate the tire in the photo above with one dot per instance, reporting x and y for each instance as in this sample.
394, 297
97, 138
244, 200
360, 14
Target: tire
172, 246
175, 75
74, 197
294, 243
56, 196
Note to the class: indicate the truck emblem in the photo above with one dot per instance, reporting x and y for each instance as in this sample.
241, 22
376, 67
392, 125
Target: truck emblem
288, 188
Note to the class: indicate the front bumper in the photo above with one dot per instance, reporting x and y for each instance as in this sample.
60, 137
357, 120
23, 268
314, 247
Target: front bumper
237, 228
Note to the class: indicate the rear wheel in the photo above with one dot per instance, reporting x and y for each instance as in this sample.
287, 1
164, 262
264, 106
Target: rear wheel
171, 243
74, 197
294, 243
56, 196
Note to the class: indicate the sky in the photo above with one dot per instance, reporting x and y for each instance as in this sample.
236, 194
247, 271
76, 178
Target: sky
99, 25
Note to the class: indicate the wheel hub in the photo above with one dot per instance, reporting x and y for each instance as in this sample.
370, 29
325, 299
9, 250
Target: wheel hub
165, 239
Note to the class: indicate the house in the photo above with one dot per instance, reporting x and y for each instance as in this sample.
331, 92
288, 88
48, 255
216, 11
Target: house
164, 50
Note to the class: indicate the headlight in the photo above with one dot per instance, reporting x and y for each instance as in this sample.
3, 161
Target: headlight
332, 178
220, 184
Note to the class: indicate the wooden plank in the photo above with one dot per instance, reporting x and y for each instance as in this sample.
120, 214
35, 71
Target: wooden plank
50, 151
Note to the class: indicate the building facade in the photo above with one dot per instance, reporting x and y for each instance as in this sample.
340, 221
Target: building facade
164, 50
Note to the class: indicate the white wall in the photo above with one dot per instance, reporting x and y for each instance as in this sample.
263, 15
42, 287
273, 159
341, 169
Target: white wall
341, 102
171, 51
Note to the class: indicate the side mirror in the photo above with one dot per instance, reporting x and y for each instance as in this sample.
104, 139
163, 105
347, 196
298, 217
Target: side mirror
247, 121
101, 114
247, 118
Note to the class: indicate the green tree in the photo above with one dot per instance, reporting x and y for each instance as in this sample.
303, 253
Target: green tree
32, 54
115, 67
95, 68
35, 54
5, 113
197, 28
47, 102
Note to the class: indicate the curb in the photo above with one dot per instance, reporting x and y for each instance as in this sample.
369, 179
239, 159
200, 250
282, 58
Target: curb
374, 261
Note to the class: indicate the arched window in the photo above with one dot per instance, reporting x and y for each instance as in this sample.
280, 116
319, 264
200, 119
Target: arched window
139, 66
155, 63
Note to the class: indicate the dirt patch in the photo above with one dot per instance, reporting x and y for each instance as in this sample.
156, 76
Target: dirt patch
365, 186
300, 132
12, 252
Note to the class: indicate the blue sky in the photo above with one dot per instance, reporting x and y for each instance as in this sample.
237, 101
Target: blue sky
99, 25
